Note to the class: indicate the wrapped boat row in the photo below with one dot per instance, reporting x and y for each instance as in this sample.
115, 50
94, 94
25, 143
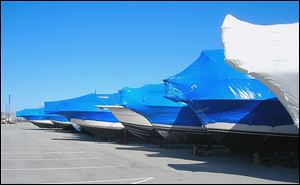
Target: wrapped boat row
242, 105
83, 112
39, 118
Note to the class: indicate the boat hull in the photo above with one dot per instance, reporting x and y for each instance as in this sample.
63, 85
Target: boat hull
184, 134
101, 128
143, 132
62, 124
267, 117
249, 125
135, 123
42, 123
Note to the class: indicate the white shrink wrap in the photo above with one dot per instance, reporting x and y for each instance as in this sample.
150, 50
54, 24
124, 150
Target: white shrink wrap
270, 53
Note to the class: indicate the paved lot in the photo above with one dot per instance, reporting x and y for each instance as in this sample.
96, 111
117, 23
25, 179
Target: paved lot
33, 155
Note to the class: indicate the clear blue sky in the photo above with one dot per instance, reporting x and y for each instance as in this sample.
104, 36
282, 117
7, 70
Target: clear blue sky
58, 50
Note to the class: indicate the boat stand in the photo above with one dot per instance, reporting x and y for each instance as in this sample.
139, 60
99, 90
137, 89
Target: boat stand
201, 150
125, 137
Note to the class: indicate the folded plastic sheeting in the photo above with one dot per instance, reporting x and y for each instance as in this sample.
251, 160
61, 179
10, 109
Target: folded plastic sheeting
218, 93
268, 53
84, 107
38, 114
210, 78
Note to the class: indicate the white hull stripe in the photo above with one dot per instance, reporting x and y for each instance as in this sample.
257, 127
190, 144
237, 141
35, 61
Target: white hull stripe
98, 124
48, 122
253, 129
61, 122
179, 127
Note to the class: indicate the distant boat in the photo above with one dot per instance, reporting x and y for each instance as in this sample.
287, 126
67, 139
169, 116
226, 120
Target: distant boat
235, 106
39, 118
174, 122
83, 112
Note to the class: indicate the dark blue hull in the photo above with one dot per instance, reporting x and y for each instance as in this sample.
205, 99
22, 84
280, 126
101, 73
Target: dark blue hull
63, 125
184, 134
104, 133
141, 131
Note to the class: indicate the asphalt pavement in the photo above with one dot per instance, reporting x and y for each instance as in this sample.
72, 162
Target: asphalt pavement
33, 155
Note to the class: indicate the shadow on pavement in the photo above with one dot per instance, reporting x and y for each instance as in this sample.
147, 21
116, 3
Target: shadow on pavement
262, 172
220, 161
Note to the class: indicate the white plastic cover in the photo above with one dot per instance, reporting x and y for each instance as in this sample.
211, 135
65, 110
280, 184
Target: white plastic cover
269, 53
